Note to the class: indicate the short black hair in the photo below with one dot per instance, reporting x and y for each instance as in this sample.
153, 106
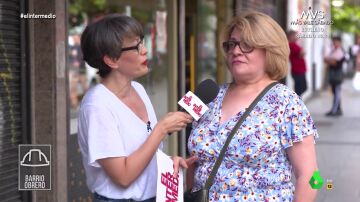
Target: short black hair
105, 38
336, 38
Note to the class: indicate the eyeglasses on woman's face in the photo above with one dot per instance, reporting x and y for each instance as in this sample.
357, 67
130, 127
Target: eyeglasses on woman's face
138, 47
230, 45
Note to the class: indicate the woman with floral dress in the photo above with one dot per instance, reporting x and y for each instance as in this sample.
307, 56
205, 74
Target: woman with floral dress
276, 139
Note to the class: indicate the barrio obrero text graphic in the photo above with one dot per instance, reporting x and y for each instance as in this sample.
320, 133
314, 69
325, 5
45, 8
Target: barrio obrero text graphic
34, 167
37, 16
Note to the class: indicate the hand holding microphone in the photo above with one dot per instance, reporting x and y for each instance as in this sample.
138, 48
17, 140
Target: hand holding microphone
205, 92
195, 103
174, 121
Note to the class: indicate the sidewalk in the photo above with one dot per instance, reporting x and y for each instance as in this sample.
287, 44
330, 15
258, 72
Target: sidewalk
338, 148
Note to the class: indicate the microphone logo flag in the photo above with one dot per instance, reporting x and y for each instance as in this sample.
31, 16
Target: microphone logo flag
193, 105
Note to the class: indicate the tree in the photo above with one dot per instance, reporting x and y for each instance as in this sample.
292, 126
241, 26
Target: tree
346, 18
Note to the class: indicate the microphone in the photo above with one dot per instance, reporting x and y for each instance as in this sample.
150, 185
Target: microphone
207, 91
148, 126
195, 103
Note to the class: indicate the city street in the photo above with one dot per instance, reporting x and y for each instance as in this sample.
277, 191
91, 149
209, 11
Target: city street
338, 148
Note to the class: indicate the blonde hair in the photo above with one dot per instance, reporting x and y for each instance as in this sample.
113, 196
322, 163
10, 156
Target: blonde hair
261, 31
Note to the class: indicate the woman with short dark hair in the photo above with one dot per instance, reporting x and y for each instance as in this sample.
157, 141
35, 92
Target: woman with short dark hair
118, 130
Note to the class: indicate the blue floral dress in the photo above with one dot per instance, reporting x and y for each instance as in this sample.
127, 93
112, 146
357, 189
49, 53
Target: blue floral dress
255, 166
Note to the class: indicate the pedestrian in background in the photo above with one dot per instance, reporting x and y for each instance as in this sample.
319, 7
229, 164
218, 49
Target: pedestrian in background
298, 65
354, 51
335, 60
358, 62
276, 138
356, 79
118, 129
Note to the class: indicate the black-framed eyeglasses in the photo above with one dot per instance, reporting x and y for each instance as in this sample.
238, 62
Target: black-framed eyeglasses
229, 46
138, 46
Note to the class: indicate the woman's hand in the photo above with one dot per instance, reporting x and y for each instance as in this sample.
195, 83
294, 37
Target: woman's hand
173, 121
185, 163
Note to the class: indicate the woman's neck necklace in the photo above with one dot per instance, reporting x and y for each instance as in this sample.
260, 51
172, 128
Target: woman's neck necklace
120, 92
124, 91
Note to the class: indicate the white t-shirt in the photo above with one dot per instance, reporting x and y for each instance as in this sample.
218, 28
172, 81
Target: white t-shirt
108, 128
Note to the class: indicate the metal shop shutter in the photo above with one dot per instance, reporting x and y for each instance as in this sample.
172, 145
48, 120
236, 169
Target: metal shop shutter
10, 98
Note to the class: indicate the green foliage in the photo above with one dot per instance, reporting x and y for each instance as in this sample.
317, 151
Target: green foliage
346, 18
205, 10
80, 9
77, 7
